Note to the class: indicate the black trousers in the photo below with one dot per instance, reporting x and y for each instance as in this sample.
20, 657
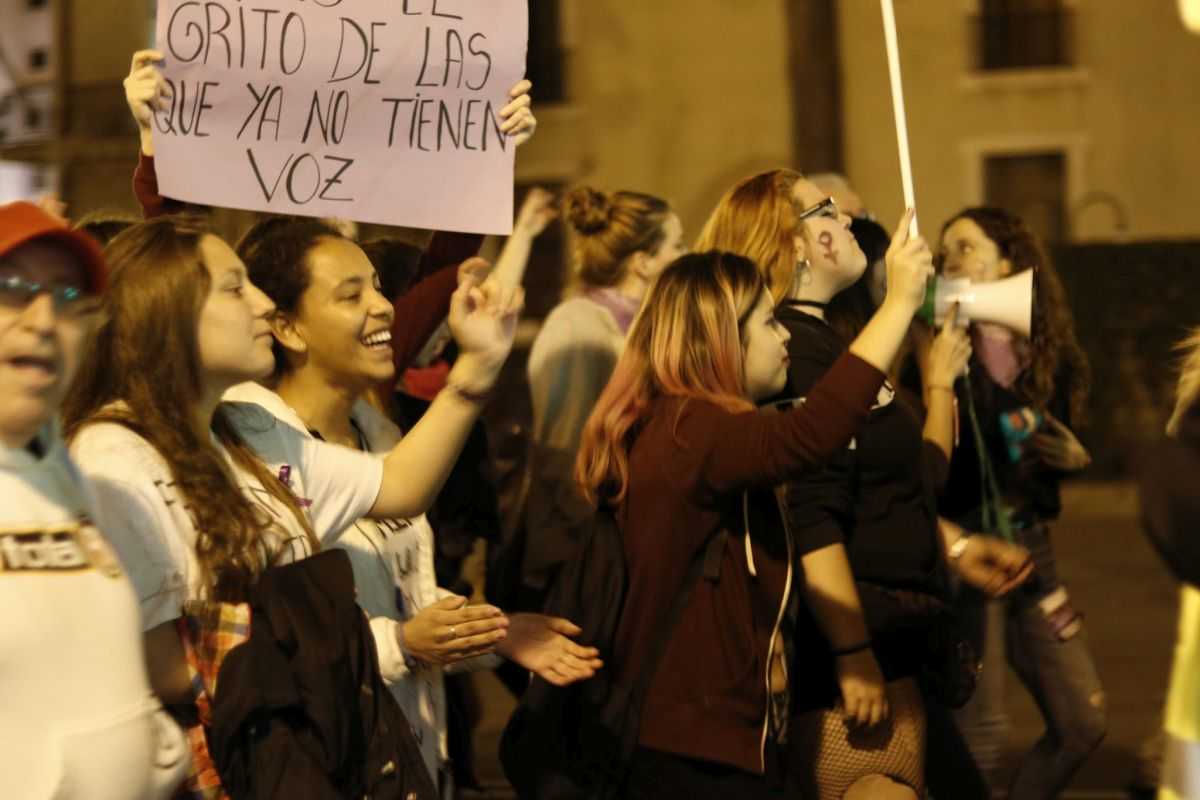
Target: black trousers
655, 775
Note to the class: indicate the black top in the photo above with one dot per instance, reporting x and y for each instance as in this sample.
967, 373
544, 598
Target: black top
1029, 486
875, 497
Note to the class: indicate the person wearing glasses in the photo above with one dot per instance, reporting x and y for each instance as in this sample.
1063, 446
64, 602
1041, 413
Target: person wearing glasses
78, 718
873, 553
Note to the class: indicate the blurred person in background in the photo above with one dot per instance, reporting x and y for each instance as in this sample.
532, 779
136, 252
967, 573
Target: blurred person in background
619, 243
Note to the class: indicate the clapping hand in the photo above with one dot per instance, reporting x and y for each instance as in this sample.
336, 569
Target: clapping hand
543, 645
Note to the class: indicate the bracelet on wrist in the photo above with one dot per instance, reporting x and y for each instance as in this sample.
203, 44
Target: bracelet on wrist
474, 396
852, 649
956, 550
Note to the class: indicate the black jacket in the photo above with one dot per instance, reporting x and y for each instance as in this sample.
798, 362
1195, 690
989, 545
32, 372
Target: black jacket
301, 710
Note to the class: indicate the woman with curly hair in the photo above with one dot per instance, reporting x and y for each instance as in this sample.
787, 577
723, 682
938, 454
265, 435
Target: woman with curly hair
1017, 413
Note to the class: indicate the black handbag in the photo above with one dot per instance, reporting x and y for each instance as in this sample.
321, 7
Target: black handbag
950, 666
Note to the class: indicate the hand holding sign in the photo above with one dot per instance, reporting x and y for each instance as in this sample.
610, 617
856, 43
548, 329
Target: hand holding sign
519, 121
146, 92
377, 111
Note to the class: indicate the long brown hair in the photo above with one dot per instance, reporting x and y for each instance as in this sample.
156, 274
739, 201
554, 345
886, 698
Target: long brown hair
606, 229
1054, 343
143, 371
686, 342
758, 219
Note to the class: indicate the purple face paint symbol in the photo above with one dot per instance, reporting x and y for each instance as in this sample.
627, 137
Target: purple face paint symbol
826, 242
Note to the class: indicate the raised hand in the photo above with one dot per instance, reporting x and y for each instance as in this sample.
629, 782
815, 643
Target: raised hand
543, 645
483, 320
517, 119
536, 213
909, 266
474, 269
450, 630
146, 91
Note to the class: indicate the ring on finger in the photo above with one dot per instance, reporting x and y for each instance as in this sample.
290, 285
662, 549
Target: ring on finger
453, 632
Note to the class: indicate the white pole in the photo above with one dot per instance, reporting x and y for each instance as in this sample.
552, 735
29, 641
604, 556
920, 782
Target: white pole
893, 52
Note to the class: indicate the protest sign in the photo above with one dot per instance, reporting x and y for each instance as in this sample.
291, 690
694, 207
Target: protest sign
373, 110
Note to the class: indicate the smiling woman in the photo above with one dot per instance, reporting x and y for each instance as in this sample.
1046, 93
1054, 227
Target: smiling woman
333, 343
209, 489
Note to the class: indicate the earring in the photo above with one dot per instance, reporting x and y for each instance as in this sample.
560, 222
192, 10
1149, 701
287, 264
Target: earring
803, 273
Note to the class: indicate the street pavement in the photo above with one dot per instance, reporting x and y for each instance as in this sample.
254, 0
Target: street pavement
1129, 601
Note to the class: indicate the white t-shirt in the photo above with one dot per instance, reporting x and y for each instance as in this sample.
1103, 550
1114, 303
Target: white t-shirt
154, 532
394, 576
77, 719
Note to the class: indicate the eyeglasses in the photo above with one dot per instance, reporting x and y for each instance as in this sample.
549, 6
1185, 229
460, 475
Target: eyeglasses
16, 293
825, 208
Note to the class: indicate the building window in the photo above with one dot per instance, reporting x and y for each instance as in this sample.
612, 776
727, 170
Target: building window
1023, 34
1034, 187
545, 62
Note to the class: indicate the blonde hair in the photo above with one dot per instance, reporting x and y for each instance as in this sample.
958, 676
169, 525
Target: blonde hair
606, 229
1187, 391
758, 219
686, 342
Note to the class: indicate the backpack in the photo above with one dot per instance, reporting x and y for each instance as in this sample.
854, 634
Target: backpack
576, 742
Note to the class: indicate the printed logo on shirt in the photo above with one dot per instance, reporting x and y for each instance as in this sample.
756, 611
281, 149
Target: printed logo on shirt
69, 547
285, 477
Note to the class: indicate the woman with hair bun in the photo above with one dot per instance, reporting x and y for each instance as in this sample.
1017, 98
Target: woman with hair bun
619, 242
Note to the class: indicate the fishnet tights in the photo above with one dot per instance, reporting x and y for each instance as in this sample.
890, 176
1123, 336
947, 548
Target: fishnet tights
827, 757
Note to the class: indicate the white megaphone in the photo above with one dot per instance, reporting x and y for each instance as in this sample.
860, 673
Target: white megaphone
1007, 302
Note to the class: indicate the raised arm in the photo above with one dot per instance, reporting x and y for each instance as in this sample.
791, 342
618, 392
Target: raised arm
536, 213
483, 319
146, 91
947, 358
766, 448
909, 266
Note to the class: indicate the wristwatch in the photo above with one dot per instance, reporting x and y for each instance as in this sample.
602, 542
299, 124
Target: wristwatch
954, 553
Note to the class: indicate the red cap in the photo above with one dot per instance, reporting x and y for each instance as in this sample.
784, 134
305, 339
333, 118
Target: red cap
21, 223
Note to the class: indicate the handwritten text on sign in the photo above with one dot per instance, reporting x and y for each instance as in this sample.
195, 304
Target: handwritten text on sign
375, 110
